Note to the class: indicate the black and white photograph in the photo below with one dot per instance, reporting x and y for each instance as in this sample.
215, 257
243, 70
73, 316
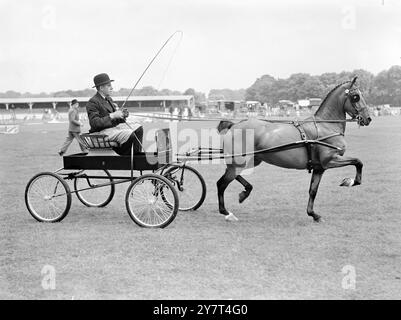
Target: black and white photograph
199, 150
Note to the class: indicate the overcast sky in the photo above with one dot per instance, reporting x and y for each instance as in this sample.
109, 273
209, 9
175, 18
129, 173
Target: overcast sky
55, 45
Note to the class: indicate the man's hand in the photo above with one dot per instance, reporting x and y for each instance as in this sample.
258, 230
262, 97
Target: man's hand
125, 113
117, 115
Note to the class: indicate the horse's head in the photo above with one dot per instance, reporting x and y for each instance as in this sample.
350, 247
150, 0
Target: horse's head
355, 105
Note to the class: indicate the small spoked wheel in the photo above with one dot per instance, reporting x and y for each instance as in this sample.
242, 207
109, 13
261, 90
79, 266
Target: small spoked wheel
87, 185
152, 201
48, 197
190, 185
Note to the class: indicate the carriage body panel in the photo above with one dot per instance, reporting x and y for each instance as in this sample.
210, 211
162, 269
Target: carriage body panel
141, 162
101, 156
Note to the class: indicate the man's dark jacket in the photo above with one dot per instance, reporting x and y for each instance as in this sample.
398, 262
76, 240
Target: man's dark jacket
98, 110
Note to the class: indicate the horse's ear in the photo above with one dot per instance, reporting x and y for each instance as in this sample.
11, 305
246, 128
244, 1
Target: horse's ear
353, 81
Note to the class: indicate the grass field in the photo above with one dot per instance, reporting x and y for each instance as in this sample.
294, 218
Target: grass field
274, 251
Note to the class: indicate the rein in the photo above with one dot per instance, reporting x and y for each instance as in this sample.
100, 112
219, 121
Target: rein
211, 152
164, 117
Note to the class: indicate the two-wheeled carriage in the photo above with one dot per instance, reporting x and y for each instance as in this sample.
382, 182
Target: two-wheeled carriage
152, 199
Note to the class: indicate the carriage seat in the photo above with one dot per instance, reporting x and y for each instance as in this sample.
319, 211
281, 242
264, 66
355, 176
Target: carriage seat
98, 143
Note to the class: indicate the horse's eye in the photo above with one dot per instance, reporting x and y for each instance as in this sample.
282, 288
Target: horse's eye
355, 98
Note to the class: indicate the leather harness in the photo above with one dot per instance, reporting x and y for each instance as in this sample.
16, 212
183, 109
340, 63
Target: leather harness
310, 144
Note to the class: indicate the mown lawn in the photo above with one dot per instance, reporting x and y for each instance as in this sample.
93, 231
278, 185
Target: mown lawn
274, 251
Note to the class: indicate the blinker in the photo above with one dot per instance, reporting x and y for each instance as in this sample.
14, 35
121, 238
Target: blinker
355, 98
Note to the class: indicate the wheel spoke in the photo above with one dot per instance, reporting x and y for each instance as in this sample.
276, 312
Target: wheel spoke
42, 199
145, 204
190, 187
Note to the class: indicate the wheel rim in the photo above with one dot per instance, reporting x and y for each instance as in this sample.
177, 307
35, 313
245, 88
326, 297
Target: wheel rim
95, 197
188, 186
147, 204
47, 198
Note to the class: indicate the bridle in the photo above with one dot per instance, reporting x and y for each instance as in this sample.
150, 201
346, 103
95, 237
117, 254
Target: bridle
353, 95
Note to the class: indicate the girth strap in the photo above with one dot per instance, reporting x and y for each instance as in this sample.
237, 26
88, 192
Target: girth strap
308, 146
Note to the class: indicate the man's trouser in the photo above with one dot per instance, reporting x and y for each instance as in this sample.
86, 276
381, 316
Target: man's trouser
70, 137
134, 140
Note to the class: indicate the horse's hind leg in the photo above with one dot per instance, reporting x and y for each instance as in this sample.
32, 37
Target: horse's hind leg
222, 185
314, 185
248, 188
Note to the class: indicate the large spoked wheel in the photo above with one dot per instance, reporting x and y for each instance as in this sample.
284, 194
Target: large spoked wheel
146, 205
48, 197
94, 196
190, 185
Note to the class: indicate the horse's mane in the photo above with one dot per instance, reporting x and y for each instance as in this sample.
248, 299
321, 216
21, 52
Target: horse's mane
330, 92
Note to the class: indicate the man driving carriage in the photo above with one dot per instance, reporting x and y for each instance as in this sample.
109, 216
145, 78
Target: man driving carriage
105, 118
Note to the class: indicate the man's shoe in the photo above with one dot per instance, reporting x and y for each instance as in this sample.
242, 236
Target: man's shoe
60, 153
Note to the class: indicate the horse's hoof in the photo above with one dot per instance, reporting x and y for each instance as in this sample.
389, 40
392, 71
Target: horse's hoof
231, 217
317, 218
347, 182
241, 197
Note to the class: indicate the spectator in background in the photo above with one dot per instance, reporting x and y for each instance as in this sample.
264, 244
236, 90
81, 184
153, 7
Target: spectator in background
180, 112
74, 128
12, 110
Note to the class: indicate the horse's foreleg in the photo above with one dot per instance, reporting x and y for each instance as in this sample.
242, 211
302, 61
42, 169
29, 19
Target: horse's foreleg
248, 188
222, 185
339, 161
314, 185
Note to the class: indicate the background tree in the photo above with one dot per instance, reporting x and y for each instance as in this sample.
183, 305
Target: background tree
384, 88
198, 96
148, 91
262, 90
228, 94
168, 92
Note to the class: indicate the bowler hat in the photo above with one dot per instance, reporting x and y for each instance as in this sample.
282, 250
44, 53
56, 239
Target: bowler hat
101, 79
74, 101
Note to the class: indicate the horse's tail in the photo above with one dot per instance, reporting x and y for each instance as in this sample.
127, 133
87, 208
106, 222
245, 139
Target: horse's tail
224, 125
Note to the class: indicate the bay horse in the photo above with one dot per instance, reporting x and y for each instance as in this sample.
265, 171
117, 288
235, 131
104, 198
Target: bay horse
326, 125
